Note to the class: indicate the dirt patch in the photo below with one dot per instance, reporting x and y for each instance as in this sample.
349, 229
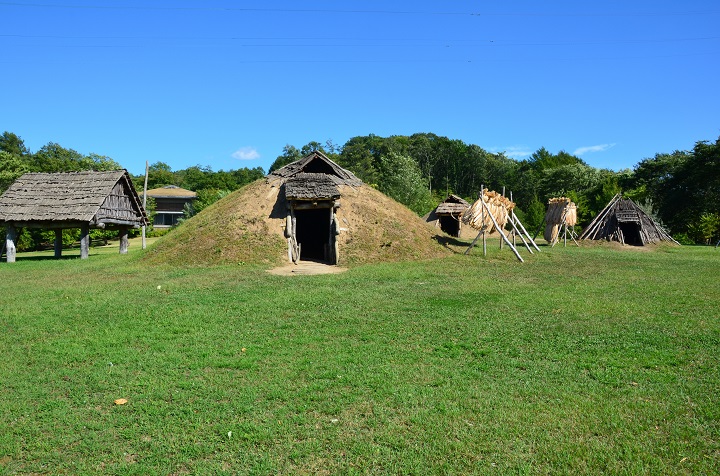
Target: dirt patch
306, 268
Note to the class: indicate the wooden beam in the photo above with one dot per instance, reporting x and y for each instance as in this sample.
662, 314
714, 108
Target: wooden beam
84, 241
58, 242
10, 236
124, 242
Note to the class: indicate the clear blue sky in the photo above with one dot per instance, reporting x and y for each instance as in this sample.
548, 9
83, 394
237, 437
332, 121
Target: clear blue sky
229, 83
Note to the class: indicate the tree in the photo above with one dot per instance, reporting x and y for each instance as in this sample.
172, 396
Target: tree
159, 175
401, 178
289, 155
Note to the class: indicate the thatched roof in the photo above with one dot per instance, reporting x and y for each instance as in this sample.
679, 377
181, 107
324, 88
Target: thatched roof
452, 205
171, 191
308, 186
315, 163
73, 198
622, 220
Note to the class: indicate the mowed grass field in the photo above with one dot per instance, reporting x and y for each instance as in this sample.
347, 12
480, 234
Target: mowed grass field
580, 361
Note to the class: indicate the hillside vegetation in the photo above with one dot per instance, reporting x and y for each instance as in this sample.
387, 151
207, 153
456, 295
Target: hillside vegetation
247, 227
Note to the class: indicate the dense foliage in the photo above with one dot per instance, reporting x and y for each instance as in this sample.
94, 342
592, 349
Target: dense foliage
681, 189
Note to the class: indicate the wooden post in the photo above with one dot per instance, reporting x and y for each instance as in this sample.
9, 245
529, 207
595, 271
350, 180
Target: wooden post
58, 242
482, 217
10, 236
124, 243
497, 227
84, 241
147, 169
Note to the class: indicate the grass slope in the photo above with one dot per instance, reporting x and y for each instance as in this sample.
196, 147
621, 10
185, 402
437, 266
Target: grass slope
580, 361
247, 227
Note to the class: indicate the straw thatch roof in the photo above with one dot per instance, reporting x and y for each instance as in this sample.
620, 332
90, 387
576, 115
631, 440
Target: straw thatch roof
171, 191
57, 200
452, 205
311, 186
315, 163
622, 220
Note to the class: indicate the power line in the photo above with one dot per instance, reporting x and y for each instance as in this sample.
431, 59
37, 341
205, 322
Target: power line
391, 12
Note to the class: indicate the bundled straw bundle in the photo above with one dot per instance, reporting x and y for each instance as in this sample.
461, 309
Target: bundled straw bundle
498, 205
557, 208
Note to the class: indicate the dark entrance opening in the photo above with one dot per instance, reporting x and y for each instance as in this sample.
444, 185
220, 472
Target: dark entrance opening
631, 233
449, 225
313, 234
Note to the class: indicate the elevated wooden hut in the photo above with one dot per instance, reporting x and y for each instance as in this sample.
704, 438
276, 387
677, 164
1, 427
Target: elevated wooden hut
625, 222
105, 200
311, 189
448, 215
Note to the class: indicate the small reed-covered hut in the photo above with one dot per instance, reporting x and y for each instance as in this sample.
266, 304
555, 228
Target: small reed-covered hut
561, 212
448, 215
622, 220
105, 200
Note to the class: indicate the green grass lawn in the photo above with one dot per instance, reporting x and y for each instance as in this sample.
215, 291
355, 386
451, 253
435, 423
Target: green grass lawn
580, 361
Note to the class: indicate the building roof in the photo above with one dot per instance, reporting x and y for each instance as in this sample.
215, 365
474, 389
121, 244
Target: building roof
312, 164
97, 198
311, 186
452, 205
171, 191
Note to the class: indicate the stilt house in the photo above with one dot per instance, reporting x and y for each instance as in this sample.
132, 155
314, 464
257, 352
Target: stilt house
310, 186
625, 222
105, 200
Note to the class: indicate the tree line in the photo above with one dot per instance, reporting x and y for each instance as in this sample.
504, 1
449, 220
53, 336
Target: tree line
680, 189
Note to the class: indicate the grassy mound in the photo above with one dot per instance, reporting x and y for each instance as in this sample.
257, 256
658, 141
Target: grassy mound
247, 226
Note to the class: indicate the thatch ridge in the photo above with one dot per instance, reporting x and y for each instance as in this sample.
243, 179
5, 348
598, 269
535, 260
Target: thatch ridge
316, 162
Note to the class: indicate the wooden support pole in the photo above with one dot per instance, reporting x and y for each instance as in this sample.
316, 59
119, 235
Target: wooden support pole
497, 227
58, 243
516, 232
147, 169
124, 242
10, 236
84, 241
482, 215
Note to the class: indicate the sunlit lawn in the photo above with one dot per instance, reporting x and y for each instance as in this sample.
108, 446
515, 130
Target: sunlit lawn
580, 361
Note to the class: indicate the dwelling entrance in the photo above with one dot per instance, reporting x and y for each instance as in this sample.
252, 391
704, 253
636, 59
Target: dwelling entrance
631, 232
450, 225
314, 233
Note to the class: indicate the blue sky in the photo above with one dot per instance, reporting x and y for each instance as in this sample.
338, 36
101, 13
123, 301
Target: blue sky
227, 84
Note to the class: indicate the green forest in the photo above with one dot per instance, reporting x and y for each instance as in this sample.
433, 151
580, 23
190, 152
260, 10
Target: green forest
680, 189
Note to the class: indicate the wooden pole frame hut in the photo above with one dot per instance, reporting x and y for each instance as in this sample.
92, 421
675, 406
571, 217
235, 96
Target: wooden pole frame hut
311, 190
85, 200
622, 220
